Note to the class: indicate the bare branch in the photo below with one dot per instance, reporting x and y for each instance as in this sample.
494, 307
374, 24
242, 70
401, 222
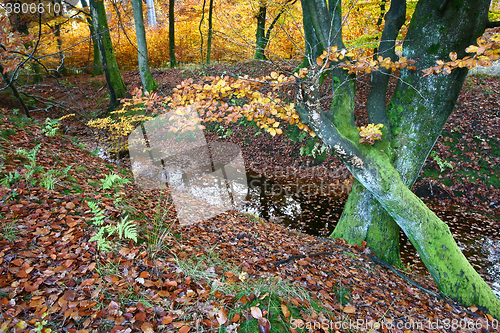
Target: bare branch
493, 24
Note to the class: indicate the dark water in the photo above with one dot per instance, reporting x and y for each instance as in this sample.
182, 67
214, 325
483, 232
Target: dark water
308, 206
315, 209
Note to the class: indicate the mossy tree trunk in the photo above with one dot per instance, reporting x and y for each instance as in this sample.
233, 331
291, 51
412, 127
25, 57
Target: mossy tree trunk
381, 201
117, 88
142, 48
354, 225
260, 35
171, 33
263, 35
97, 66
210, 29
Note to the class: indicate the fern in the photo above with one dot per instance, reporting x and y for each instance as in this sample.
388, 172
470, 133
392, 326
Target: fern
65, 170
48, 181
30, 155
127, 229
10, 178
98, 219
103, 244
51, 127
443, 164
111, 180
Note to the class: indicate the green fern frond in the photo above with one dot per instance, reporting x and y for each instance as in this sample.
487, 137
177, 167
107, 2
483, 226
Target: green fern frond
98, 219
65, 171
103, 244
30, 155
111, 180
127, 229
48, 181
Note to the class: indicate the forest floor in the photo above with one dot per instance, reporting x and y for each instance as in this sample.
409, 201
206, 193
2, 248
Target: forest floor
220, 275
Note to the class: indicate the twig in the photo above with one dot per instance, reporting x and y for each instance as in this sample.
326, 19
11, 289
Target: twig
284, 261
401, 275
443, 5
393, 269
493, 24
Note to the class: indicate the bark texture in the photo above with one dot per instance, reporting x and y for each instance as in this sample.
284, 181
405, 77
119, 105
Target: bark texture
416, 115
171, 33
261, 33
210, 29
117, 88
142, 48
97, 66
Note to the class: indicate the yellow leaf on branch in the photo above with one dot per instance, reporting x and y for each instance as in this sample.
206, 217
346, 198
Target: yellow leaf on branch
371, 133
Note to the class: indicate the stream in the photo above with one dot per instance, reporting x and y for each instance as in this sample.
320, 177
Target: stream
315, 208
304, 206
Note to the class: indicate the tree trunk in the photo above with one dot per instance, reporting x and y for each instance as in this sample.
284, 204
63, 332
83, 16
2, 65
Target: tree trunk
142, 48
261, 34
97, 67
210, 30
117, 88
416, 118
313, 47
354, 224
151, 13
171, 33
416, 115
432, 238
14, 91
61, 69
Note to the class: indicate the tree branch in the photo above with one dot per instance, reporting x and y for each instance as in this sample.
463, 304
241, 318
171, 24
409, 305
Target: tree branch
443, 5
13, 88
493, 24
394, 20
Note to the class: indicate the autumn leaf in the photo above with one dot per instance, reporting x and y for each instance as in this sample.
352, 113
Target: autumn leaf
235, 318
147, 328
349, 309
285, 310
256, 312
184, 329
221, 316
264, 325
369, 134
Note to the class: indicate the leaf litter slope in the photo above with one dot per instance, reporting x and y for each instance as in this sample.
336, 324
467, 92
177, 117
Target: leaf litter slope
49, 267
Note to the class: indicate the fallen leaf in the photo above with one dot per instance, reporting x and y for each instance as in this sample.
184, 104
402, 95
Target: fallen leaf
147, 328
141, 316
285, 310
184, 329
264, 325
69, 295
221, 316
349, 309
256, 312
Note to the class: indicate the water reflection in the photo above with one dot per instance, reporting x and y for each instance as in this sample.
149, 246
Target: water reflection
317, 212
307, 206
